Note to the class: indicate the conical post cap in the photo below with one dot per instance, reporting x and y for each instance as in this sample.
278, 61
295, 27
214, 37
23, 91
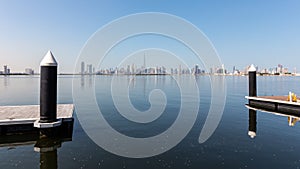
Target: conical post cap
252, 68
48, 60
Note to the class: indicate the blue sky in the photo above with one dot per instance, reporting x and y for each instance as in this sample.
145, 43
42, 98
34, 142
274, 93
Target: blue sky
265, 33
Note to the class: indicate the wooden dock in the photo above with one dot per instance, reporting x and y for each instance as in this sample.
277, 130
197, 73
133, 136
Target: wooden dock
275, 103
15, 119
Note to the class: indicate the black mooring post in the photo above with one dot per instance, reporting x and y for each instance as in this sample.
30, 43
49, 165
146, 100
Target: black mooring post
48, 89
252, 123
252, 81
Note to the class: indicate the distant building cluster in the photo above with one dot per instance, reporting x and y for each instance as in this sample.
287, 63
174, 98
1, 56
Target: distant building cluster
196, 70
276, 71
7, 71
29, 71
279, 70
133, 69
87, 69
157, 70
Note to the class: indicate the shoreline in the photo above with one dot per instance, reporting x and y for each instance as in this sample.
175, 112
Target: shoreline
70, 74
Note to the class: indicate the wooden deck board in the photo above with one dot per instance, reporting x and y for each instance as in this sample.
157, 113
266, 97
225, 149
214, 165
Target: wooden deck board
10, 114
281, 98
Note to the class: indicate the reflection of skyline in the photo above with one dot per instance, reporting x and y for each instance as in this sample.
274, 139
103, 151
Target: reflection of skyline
82, 81
6, 81
88, 78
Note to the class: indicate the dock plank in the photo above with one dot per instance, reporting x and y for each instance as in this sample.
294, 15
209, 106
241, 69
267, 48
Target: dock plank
281, 98
29, 113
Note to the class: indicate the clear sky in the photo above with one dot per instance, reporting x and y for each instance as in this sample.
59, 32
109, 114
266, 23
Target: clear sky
263, 32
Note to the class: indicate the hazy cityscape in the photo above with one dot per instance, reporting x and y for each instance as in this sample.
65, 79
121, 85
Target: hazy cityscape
133, 69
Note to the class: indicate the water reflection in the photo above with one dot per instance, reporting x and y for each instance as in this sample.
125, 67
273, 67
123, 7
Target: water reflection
6, 81
82, 81
90, 79
252, 123
46, 142
47, 147
291, 119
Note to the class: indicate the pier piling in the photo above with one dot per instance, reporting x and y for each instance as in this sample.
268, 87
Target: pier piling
252, 81
48, 89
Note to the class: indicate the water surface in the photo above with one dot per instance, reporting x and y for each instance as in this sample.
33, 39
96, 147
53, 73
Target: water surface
275, 146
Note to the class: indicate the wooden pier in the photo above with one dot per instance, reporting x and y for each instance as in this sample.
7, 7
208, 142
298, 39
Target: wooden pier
278, 104
18, 119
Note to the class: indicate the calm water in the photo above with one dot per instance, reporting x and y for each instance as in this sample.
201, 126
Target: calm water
276, 145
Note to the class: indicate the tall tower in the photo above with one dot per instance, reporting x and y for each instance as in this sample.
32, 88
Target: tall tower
82, 68
5, 70
133, 69
145, 68
196, 71
144, 60
180, 71
90, 68
223, 69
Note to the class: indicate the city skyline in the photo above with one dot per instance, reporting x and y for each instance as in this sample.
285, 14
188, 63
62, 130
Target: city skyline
261, 33
132, 69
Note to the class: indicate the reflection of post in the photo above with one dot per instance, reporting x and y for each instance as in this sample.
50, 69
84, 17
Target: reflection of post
47, 147
252, 123
48, 160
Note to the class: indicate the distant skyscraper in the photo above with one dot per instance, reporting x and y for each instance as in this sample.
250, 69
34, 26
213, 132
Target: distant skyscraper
223, 69
211, 71
89, 68
279, 68
196, 71
29, 71
5, 70
82, 68
132, 69
128, 69
144, 60
179, 70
